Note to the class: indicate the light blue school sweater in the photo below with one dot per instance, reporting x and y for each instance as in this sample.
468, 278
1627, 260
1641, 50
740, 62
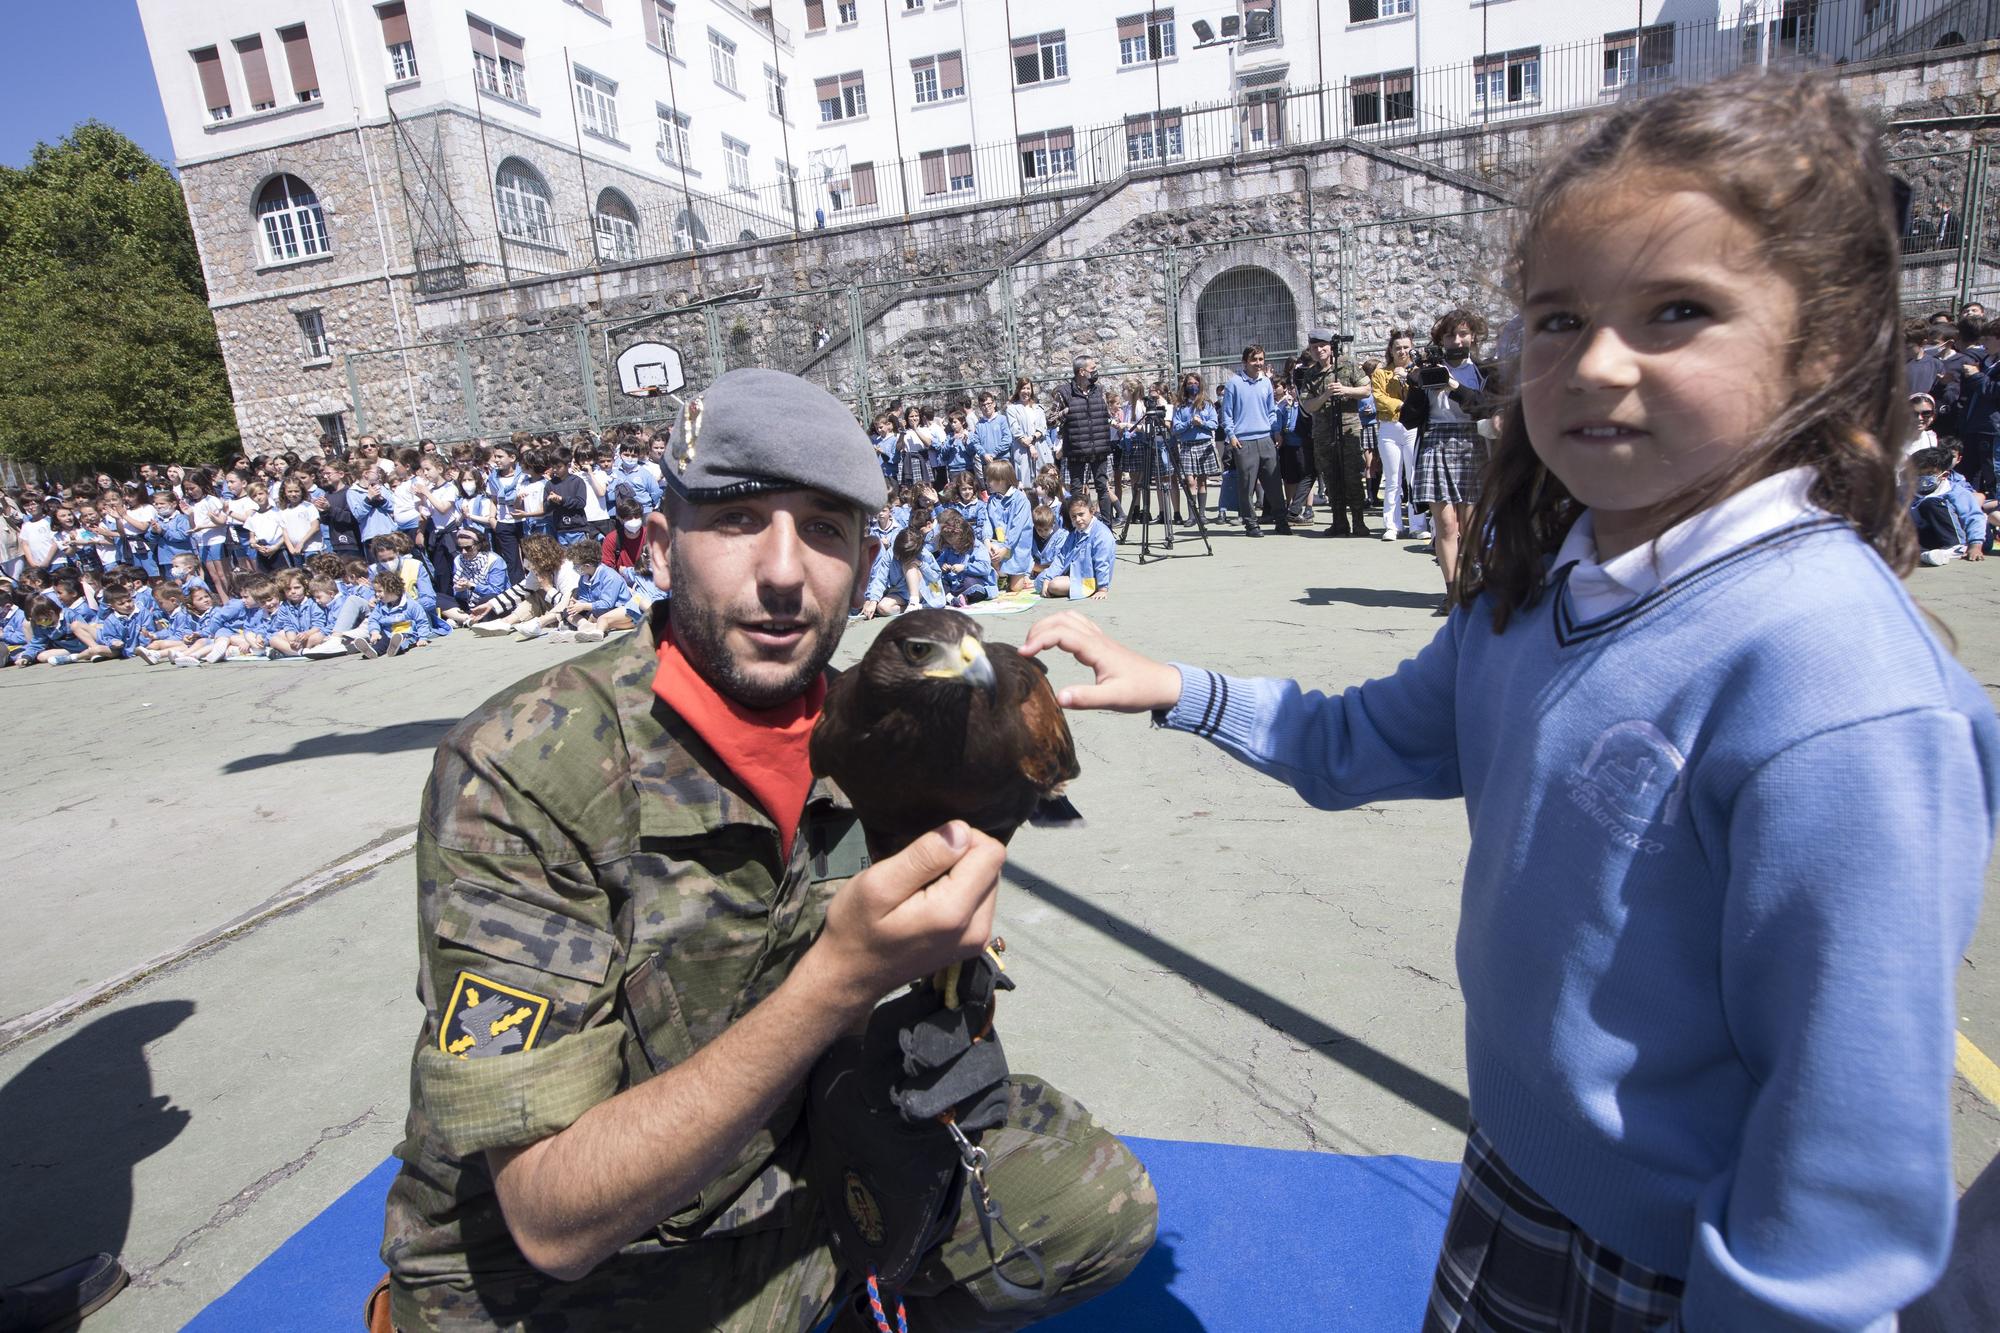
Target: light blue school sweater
1727, 847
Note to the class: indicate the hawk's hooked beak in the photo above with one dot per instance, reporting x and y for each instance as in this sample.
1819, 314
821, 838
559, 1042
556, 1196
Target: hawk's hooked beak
970, 665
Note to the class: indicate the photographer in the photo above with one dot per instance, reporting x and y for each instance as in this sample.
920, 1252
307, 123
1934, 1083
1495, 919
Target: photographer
1331, 389
1448, 386
1080, 409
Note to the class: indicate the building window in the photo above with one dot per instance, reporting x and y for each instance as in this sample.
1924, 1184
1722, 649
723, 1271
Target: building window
736, 163
1143, 38
395, 21
673, 143
660, 26
855, 190
1263, 119
256, 75
938, 78
596, 103
841, 98
299, 58
946, 171
1039, 59
1152, 137
214, 90
616, 223
1510, 78
722, 59
815, 15
1260, 21
774, 91
1048, 154
849, 11
333, 427
499, 65
913, 6
290, 221
523, 199
1874, 13
1367, 11
1647, 54
312, 335
1383, 99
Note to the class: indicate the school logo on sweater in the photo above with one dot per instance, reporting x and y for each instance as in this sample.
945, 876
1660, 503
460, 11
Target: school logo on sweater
1629, 783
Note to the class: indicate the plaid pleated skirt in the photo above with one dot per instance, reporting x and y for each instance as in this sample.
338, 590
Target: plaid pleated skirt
1199, 458
1512, 1263
1450, 461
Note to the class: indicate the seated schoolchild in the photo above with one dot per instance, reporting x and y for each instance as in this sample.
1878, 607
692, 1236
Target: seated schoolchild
49, 644
1010, 525
967, 573
300, 622
1091, 557
398, 621
331, 603
174, 629
904, 576
599, 593
260, 604
550, 583
962, 493
187, 574
13, 629
122, 626
392, 552
623, 548
885, 527
1051, 545
221, 627
1947, 513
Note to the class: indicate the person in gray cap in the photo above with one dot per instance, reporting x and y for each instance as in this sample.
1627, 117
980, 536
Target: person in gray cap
641, 922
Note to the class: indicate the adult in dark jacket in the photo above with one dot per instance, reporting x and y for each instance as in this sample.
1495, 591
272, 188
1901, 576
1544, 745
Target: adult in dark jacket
1081, 409
343, 528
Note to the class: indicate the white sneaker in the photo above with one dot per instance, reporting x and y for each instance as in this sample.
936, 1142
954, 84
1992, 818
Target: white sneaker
150, 656
61, 659
530, 630
561, 636
185, 659
589, 634
490, 629
1390, 535
1935, 558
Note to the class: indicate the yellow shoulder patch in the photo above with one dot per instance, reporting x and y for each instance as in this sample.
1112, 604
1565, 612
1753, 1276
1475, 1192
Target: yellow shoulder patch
487, 1017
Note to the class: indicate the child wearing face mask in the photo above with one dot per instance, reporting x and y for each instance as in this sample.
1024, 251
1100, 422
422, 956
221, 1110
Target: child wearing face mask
625, 544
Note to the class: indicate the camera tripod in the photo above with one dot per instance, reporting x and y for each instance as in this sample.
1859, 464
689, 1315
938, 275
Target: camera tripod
1152, 435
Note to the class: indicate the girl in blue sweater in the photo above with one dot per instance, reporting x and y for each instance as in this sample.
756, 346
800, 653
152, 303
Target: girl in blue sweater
1713, 910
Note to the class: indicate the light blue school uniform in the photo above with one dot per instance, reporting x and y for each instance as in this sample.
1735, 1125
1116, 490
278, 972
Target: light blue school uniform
174, 538
603, 591
975, 579
119, 633
222, 619
888, 579
1052, 552
993, 437
406, 617
1091, 560
1010, 520
13, 632
644, 489
377, 520
181, 625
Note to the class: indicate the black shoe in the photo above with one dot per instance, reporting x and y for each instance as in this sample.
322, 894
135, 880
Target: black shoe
1338, 527
1284, 528
61, 1299
1252, 530
1361, 528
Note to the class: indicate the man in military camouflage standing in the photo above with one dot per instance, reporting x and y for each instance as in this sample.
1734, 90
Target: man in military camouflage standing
641, 924
1331, 390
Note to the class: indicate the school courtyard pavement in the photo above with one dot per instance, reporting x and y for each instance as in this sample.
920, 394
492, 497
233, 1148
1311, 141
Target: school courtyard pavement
207, 1010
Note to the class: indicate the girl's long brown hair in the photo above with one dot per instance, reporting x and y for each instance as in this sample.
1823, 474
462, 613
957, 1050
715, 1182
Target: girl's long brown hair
1803, 168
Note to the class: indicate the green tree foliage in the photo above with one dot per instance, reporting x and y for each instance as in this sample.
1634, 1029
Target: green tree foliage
107, 350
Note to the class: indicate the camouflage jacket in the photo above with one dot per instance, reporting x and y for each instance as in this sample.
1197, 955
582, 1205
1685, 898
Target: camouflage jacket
598, 897
1336, 415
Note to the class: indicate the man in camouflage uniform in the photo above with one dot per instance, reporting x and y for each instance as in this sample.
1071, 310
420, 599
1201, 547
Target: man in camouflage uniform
1332, 389
627, 974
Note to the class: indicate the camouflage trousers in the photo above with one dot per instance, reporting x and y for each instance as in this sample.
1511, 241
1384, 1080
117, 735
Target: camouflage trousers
1339, 461
1066, 1186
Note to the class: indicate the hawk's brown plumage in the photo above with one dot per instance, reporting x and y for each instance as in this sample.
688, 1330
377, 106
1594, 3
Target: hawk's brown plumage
936, 724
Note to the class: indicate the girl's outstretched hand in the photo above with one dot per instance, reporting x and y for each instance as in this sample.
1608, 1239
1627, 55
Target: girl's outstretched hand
1127, 682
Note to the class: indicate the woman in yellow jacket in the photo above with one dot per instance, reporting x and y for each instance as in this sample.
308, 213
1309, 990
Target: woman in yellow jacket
1398, 450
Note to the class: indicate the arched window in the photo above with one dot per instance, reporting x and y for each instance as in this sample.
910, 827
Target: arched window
617, 227
289, 221
1242, 306
689, 233
523, 197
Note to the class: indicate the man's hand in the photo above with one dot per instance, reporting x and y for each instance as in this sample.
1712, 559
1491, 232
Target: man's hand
927, 906
1127, 682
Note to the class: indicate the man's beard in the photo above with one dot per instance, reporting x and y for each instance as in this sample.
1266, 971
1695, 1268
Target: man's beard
701, 634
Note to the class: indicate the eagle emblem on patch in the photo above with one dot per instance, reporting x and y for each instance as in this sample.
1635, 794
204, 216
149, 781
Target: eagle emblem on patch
488, 1017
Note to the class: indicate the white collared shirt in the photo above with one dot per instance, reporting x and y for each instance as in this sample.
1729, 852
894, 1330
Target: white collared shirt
1598, 589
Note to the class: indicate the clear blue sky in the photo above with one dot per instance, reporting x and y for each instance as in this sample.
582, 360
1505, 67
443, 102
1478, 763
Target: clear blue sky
47, 85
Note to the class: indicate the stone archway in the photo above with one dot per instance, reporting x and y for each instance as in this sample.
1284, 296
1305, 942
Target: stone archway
1244, 294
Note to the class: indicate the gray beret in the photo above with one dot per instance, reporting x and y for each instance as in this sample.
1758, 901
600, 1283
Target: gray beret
1319, 336
757, 431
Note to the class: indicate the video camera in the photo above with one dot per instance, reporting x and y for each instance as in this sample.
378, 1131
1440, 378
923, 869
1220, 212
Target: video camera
1156, 411
1429, 369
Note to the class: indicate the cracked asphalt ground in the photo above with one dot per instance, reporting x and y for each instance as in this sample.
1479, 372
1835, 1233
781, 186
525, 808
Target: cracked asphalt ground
1207, 958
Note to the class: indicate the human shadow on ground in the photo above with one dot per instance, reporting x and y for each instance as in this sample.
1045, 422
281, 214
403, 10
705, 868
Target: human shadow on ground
1143, 1300
382, 740
1415, 601
1343, 1048
78, 1118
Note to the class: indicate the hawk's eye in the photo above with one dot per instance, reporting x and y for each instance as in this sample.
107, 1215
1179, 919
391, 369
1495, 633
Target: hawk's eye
919, 649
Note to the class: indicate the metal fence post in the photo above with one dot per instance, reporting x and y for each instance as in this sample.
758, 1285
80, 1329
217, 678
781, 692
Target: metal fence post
1010, 330
1171, 300
711, 324
1974, 222
1344, 279
468, 389
857, 346
589, 372
354, 396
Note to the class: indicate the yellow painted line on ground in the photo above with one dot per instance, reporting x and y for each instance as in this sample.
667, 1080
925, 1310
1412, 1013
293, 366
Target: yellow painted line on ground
1979, 1070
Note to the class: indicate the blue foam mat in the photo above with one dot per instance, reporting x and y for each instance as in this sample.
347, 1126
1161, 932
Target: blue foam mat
1250, 1238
